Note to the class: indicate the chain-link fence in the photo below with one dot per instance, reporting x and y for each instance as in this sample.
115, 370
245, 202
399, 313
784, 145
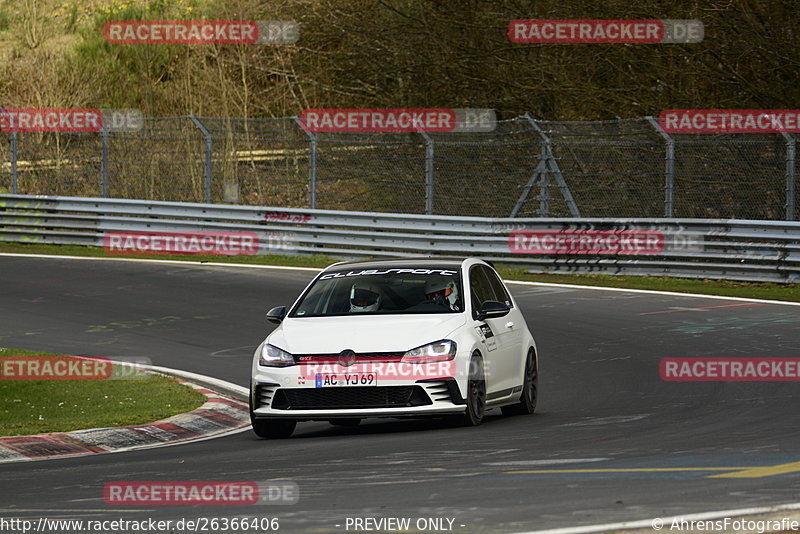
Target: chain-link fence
526, 168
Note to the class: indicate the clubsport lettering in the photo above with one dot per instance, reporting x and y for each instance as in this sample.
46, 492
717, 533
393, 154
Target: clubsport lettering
389, 271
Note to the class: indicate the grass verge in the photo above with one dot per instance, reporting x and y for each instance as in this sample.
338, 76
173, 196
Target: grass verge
40, 406
769, 291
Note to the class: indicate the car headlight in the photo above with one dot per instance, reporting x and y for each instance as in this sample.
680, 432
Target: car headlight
437, 351
272, 356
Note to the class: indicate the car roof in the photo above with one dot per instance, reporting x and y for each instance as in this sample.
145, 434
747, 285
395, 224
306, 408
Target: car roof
400, 263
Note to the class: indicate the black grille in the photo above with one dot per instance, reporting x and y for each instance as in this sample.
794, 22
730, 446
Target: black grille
350, 397
438, 391
264, 395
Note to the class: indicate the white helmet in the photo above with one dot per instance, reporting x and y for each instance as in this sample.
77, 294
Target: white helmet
364, 297
442, 290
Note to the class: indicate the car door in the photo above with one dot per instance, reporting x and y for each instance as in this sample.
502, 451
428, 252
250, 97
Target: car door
513, 326
498, 366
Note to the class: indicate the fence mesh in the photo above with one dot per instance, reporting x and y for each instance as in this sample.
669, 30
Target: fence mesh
162, 161
522, 168
727, 176
612, 168
58, 163
371, 173
267, 160
484, 174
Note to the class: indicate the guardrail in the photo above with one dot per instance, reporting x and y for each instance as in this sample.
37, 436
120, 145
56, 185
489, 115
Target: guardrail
766, 251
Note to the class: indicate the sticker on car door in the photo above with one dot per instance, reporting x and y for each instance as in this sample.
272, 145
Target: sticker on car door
487, 336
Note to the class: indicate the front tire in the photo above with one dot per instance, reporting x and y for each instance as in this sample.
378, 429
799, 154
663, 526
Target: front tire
270, 428
530, 389
476, 393
273, 428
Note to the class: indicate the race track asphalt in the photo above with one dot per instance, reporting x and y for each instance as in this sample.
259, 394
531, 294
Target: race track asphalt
653, 447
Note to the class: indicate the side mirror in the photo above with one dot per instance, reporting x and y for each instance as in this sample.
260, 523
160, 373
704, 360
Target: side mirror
492, 309
276, 315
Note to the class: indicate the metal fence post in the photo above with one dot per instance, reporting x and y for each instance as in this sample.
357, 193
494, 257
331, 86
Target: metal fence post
791, 187
429, 183
312, 164
14, 156
12, 141
207, 168
103, 162
669, 168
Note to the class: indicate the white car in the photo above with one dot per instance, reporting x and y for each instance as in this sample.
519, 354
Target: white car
394, 338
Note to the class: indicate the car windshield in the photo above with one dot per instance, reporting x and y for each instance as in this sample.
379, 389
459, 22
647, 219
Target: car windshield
382, 291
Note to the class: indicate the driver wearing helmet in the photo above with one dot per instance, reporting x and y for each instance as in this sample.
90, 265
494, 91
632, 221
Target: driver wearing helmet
443, 291
364, 297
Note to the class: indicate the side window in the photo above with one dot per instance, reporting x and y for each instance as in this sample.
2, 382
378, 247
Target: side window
480, 288
500, 292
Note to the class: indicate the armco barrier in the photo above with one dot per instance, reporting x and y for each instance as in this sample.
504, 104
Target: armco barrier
696, 248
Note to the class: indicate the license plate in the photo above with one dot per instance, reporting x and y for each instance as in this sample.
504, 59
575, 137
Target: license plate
325, 380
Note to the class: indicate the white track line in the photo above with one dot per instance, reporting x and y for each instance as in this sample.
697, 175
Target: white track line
666, 521
202, 380
656, 292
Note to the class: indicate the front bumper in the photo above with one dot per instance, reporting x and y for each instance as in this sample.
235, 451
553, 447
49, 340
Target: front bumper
428, 397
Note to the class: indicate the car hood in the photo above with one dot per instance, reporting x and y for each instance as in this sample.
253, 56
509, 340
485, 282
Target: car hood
371, 333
